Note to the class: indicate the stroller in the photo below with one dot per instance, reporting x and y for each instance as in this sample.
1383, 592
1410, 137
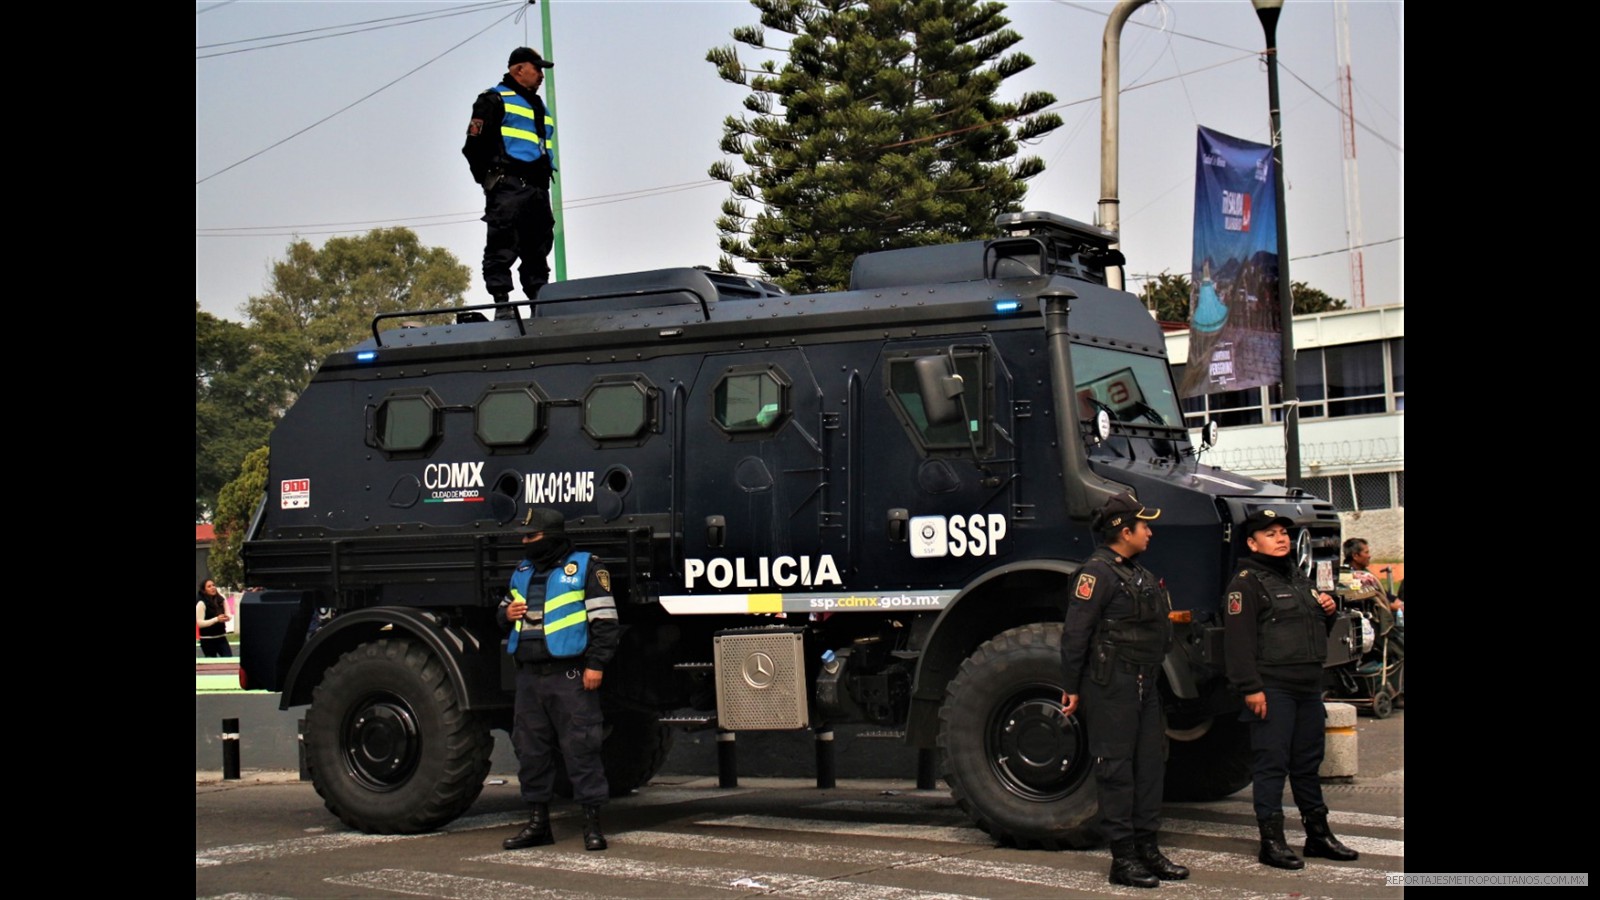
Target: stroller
1366, 654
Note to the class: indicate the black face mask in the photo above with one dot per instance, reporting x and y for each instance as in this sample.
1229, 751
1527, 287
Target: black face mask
547, 552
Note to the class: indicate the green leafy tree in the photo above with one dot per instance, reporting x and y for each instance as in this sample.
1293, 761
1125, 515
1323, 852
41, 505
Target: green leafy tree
1308, 299
881, 129
1169, 295
323, 299
232, 416
236, 504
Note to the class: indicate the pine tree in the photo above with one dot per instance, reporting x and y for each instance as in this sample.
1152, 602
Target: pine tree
882, 130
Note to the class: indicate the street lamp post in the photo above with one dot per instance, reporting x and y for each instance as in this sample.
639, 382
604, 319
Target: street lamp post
1267, 11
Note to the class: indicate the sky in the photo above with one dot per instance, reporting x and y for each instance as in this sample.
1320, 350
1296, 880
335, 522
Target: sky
317, 118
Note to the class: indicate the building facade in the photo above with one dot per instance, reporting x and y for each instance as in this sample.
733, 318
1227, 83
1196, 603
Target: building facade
1350, 365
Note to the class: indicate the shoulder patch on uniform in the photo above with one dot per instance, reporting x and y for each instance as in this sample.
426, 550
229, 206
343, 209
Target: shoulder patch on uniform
1243, 572
475, 127
1235, 603
1084, 589
604, 577
570, 569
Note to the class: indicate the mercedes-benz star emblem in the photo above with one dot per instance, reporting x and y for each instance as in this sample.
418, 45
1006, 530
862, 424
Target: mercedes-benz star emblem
1302, 551
759, 670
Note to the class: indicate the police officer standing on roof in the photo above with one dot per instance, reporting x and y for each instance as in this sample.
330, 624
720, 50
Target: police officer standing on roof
563, 631
1275, 640
510, 148
1117, 634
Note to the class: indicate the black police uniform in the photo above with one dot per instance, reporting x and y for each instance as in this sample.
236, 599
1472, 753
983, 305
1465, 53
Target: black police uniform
552, 708
1276, 639
1117, 633
516, 196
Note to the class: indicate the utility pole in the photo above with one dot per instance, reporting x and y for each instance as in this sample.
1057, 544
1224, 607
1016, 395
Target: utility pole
555, 178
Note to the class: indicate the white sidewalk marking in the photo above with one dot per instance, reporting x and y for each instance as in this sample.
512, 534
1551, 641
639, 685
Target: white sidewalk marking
452, 887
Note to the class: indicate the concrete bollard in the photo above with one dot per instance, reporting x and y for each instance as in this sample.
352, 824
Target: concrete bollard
1339, 744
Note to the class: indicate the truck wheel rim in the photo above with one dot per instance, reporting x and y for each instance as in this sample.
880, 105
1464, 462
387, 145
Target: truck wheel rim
1034, 752
381, 742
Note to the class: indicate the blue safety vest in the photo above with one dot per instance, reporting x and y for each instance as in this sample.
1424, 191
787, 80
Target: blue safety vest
563, 621
526, 138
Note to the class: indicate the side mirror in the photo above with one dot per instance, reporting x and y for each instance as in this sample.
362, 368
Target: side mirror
938, 386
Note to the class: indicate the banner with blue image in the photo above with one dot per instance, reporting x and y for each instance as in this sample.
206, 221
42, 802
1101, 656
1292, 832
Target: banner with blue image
1234, 329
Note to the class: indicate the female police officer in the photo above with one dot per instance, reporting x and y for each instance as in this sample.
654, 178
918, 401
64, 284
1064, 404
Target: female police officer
1275, 640
1117, 632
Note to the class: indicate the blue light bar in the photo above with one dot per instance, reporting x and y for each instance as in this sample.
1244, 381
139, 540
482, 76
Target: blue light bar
1007, 306
366, 356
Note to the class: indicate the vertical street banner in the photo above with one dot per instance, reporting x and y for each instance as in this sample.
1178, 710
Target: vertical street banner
1234, 328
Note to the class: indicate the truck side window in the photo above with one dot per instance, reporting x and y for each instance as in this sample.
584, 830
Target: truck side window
620, 409
509, 416
751, 399
406, 422
907, 402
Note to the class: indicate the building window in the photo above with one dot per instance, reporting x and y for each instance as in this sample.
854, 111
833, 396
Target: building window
1356, 491
1355, 379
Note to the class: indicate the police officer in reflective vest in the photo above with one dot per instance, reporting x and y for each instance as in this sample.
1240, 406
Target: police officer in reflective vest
562, 624
511, 148
1275, 640
1117, 634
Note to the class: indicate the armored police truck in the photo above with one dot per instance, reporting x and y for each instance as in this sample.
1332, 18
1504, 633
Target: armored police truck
858, 506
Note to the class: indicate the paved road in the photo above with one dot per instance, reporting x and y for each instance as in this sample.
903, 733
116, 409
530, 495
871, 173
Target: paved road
267, 835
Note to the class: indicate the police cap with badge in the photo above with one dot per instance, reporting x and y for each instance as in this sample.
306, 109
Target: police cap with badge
1262, 519
1123, 511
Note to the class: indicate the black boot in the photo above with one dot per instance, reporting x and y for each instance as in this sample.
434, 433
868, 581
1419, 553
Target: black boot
1127, 868
593, 839
1157, 863
534, 834
504, 311
1320, 840
1275, 850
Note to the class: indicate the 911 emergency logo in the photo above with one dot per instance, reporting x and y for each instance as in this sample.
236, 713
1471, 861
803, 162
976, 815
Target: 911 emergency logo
1085, 587
1235, 603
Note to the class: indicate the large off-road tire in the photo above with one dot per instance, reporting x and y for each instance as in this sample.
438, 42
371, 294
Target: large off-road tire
1014, 763
1208, 761
635, 748
389, 748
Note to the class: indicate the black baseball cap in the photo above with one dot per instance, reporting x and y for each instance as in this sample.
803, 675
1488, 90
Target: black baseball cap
541, 518
1123, 511
528, 55
1262, 519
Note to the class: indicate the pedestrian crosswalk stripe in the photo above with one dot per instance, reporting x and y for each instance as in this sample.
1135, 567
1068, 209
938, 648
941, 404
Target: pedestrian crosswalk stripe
1089, 880
1365, 845
1291, 814
615, 867
1245, 861
952, 834
775, 849
452, 887
240, 853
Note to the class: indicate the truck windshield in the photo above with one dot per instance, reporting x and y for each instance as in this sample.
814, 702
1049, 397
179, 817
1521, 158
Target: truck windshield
1131, 387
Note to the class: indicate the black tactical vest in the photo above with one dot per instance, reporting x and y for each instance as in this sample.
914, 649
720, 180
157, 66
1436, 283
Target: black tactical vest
1292, 632
1136, 620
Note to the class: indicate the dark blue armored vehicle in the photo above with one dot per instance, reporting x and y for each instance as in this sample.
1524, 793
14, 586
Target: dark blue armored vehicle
861, 506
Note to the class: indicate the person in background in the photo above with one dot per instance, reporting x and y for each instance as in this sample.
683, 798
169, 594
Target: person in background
1275, 634
211, 614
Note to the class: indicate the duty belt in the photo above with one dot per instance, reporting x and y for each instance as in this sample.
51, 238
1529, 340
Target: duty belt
1146, 669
